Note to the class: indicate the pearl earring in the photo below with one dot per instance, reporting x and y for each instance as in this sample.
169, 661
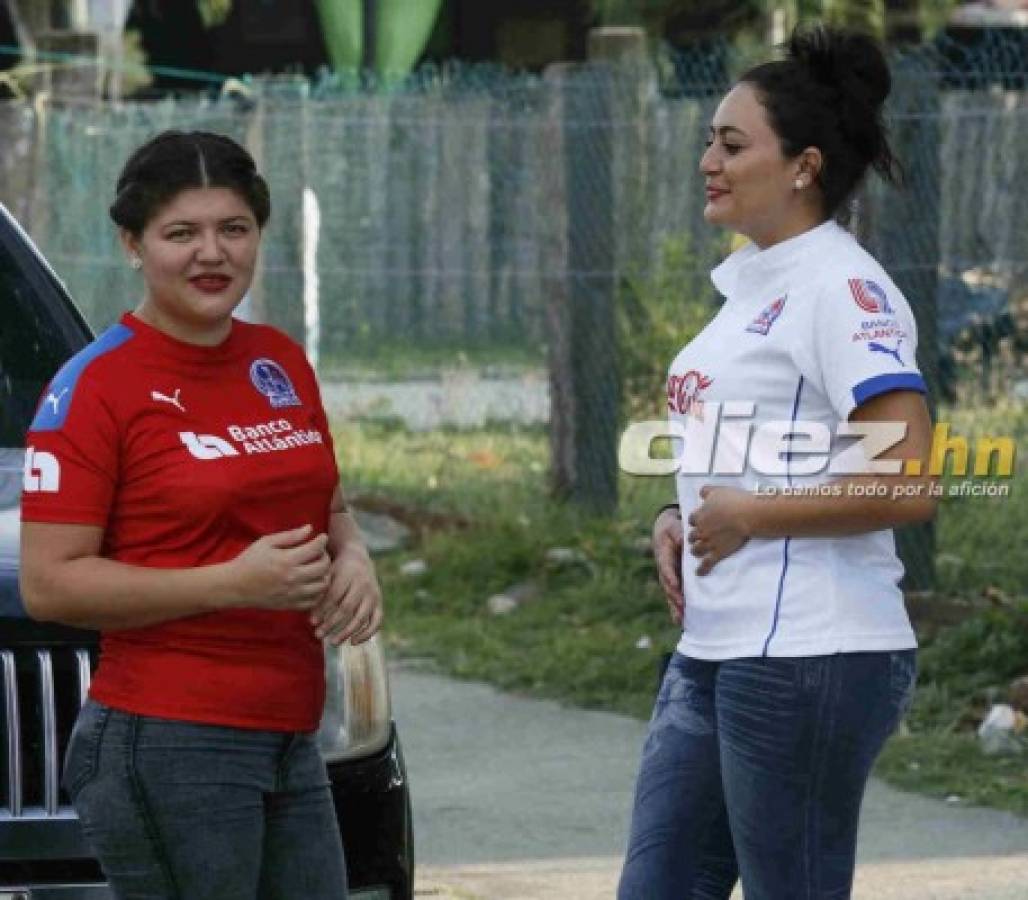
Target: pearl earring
799, 183
136, 263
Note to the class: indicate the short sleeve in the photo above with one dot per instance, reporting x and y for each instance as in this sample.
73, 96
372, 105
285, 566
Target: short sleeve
321, 417
861, 342
313, 390
71, 456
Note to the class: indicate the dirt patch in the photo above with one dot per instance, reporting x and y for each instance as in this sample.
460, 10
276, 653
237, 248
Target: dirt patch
417, 519
930, 612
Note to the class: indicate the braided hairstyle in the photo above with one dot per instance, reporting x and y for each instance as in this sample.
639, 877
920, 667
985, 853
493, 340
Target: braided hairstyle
828, 93
175, 161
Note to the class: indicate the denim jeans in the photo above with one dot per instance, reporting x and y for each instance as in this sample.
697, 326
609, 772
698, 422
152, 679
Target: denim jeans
756, 768
184, 811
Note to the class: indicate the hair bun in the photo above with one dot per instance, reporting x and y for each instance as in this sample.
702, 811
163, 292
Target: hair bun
850, 62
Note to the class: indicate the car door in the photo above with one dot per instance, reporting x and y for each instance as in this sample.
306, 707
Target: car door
44, 668
39, 329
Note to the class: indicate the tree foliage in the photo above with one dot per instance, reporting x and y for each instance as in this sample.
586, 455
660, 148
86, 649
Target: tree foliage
214, 12
768, 20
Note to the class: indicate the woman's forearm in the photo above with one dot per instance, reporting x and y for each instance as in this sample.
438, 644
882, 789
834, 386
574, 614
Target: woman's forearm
851, 505
65, 579
861, 502
99, 593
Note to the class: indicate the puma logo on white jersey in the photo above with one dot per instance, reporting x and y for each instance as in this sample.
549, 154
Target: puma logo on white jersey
207, 446
42, 472
164, 398
55, 399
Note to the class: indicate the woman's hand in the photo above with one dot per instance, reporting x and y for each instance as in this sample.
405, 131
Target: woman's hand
720, 526
352, 606
285, 570
667, 550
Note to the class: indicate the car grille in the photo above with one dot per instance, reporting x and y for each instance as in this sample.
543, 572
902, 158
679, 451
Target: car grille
43, 689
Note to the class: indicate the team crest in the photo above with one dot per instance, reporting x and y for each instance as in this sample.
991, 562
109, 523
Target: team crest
870, 297
271, 380
762, 324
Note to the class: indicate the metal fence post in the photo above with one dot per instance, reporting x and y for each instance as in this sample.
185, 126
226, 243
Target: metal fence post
906, 229
584, 378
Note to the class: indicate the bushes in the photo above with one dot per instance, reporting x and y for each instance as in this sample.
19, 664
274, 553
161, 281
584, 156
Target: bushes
987, 651
966, 668
963, 671
659, 311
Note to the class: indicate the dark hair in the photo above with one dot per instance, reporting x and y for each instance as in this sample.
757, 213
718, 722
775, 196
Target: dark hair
828, 93
175, 161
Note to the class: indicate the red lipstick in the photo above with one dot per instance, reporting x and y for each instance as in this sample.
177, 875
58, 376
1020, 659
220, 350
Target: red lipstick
211, 284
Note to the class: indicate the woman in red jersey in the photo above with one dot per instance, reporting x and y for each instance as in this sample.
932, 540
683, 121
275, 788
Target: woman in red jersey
195, 519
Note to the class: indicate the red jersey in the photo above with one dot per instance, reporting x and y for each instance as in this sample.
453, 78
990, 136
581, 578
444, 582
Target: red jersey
186, 455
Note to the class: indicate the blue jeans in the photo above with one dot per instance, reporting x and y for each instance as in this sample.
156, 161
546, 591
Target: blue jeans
183, 811
756, 768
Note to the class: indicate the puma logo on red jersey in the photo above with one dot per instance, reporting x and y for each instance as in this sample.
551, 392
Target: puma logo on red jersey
55, 400
164, 398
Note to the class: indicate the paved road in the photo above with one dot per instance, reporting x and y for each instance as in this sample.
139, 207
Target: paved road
518, 799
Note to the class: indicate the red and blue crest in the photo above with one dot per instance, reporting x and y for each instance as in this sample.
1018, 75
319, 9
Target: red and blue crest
762, 324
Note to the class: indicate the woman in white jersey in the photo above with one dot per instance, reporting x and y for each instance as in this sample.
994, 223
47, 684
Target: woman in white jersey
797, 658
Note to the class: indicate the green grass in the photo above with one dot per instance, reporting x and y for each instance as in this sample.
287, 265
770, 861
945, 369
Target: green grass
576, 641
981, 539
962, 672
493, 475
949, 765
460, 472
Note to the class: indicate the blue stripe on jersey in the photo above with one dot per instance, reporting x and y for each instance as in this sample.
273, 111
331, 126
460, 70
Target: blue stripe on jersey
778, 599
54, 409
785, 545
881, 384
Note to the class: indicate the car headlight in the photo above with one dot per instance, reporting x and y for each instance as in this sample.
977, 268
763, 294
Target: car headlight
358, 717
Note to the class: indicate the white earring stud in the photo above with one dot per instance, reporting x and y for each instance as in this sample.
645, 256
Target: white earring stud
799, 183
136, 263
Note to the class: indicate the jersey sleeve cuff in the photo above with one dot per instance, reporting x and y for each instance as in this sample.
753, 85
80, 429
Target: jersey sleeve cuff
882, 384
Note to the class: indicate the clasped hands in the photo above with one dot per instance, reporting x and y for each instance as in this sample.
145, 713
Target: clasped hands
717, 528
294, 570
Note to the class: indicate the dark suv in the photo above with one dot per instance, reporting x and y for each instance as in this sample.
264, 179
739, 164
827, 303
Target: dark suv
45, 669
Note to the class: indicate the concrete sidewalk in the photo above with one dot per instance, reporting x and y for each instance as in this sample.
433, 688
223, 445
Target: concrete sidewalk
526, 799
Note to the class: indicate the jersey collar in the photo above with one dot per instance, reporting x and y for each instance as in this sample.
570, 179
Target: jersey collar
750, 269
164, 345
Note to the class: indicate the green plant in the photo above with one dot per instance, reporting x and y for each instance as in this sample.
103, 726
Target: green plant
981, 538
660, 310
214, 12
962, 672
966, 668
989, 649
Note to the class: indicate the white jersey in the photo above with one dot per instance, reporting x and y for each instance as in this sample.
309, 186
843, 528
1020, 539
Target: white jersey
810, 328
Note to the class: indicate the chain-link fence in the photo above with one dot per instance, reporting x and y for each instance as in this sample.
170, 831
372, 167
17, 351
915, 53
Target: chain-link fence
522, 224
